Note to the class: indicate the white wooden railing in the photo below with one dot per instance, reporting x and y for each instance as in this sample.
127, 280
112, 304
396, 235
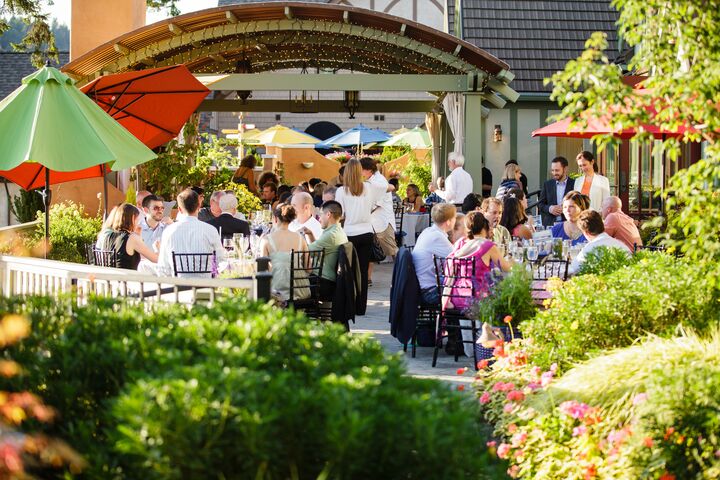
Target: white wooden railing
33, 276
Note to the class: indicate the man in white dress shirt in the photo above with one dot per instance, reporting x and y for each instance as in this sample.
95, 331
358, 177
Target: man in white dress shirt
591, 225
433, 241
459, 184
188, 235
302, 202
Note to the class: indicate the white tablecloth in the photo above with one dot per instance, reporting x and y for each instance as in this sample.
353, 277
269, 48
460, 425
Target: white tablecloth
412, 224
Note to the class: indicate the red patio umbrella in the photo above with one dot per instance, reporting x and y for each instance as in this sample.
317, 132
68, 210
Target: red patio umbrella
603, 126
152, 104
32, 175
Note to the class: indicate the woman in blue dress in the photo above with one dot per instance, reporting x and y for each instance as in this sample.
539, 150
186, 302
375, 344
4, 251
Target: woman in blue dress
573, 204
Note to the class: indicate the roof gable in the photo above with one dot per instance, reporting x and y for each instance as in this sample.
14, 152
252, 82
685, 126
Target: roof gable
14, 66
536, 38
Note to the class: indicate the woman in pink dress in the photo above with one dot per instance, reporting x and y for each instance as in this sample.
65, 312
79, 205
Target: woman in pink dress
460, 293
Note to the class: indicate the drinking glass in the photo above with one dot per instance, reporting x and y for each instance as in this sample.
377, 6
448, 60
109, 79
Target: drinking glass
228, 244
567, 245
532, 253
518, 254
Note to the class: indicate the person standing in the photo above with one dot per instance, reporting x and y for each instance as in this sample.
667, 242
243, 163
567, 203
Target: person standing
553, 191
244, 175
486, 182
357, 199
383, 212
458, 184
511, 179
591, 183
619, 225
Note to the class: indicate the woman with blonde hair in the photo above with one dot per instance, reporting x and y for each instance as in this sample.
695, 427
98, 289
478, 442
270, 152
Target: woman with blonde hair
511, 179
358, 199
413, 198
124, 239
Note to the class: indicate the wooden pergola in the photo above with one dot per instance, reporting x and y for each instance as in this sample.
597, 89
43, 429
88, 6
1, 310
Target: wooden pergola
251, 46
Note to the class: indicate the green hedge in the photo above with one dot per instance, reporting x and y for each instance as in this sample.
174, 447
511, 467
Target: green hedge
654, 294
237, 390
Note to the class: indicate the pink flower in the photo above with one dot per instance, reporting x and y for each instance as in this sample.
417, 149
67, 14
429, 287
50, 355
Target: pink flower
639, 398
503, 450
617, 437
508, 408
461, 371
579, 431
519, 439
546, 378
574, 409
491, 444
515, 396
553, 368
461, 387
534, 386
512, 428
536, 371
498, 387
485, 398
513, 471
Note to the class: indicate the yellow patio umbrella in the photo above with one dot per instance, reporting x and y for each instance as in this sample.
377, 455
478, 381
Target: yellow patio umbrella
399, 131
281, 135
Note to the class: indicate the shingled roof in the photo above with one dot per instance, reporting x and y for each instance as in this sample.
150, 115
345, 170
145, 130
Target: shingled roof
536, 38
16, 65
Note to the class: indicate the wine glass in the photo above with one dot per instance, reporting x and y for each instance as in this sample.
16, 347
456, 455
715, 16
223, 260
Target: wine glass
532, 253
228, 244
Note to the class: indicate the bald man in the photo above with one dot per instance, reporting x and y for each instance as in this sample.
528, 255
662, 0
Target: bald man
619, 225
302, 202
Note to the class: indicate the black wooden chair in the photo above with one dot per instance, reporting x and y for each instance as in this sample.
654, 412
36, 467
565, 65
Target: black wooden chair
399, 234
100, 258
548, 268
650, 248
449, 272
305, 274
195, 264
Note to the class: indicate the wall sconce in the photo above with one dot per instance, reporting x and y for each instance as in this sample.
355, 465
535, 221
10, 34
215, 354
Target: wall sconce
351, 102
497, 134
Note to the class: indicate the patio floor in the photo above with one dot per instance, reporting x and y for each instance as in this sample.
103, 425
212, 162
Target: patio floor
375, 322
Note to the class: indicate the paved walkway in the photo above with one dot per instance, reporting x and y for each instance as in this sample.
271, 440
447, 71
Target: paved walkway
375, 322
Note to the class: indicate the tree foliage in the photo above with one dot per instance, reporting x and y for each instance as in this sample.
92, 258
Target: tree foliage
39, 38
677, 44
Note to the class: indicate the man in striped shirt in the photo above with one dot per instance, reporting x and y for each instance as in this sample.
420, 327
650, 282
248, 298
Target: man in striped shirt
188, 235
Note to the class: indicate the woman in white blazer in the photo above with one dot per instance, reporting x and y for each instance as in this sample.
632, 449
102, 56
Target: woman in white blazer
591, 183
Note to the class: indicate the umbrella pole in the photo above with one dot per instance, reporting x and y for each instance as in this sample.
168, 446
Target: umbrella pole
47, 210
105, 191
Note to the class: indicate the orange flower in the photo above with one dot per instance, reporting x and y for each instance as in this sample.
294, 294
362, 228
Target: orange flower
667, 476
461, 387
648, 442
507, 319
668, 433
461, 371
482, 364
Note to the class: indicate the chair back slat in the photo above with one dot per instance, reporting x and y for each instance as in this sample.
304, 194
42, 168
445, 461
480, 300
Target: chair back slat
305, 271
101, 258
549, 268
456, 280
194, 263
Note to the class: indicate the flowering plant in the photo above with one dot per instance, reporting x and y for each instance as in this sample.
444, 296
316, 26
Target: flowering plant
340, 156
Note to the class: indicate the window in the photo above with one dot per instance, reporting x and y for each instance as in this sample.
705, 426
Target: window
277, 117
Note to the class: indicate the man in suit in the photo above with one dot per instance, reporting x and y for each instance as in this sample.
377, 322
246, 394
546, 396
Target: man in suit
553, 191
226, 223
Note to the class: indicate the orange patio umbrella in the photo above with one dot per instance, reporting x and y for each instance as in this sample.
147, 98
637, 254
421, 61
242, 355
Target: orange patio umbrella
32, 175
152, 104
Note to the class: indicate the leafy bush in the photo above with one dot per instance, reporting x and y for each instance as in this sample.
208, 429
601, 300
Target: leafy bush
391, 153
418, 173
509, 295
238, 390
604, 260
644, 412
26, 205
596, 312
70, 230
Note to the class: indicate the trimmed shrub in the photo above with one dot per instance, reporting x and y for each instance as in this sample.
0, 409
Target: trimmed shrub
238, 390
509, 295
649, 411
604, 260
70, 230
595, 312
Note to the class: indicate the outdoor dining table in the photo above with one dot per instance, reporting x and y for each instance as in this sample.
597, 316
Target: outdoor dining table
412, 225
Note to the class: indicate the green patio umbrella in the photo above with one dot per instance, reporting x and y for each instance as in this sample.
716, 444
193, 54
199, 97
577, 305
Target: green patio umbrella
415, 138
48, 121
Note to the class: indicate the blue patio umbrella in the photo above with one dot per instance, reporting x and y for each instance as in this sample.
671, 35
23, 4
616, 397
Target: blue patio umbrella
356, 136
